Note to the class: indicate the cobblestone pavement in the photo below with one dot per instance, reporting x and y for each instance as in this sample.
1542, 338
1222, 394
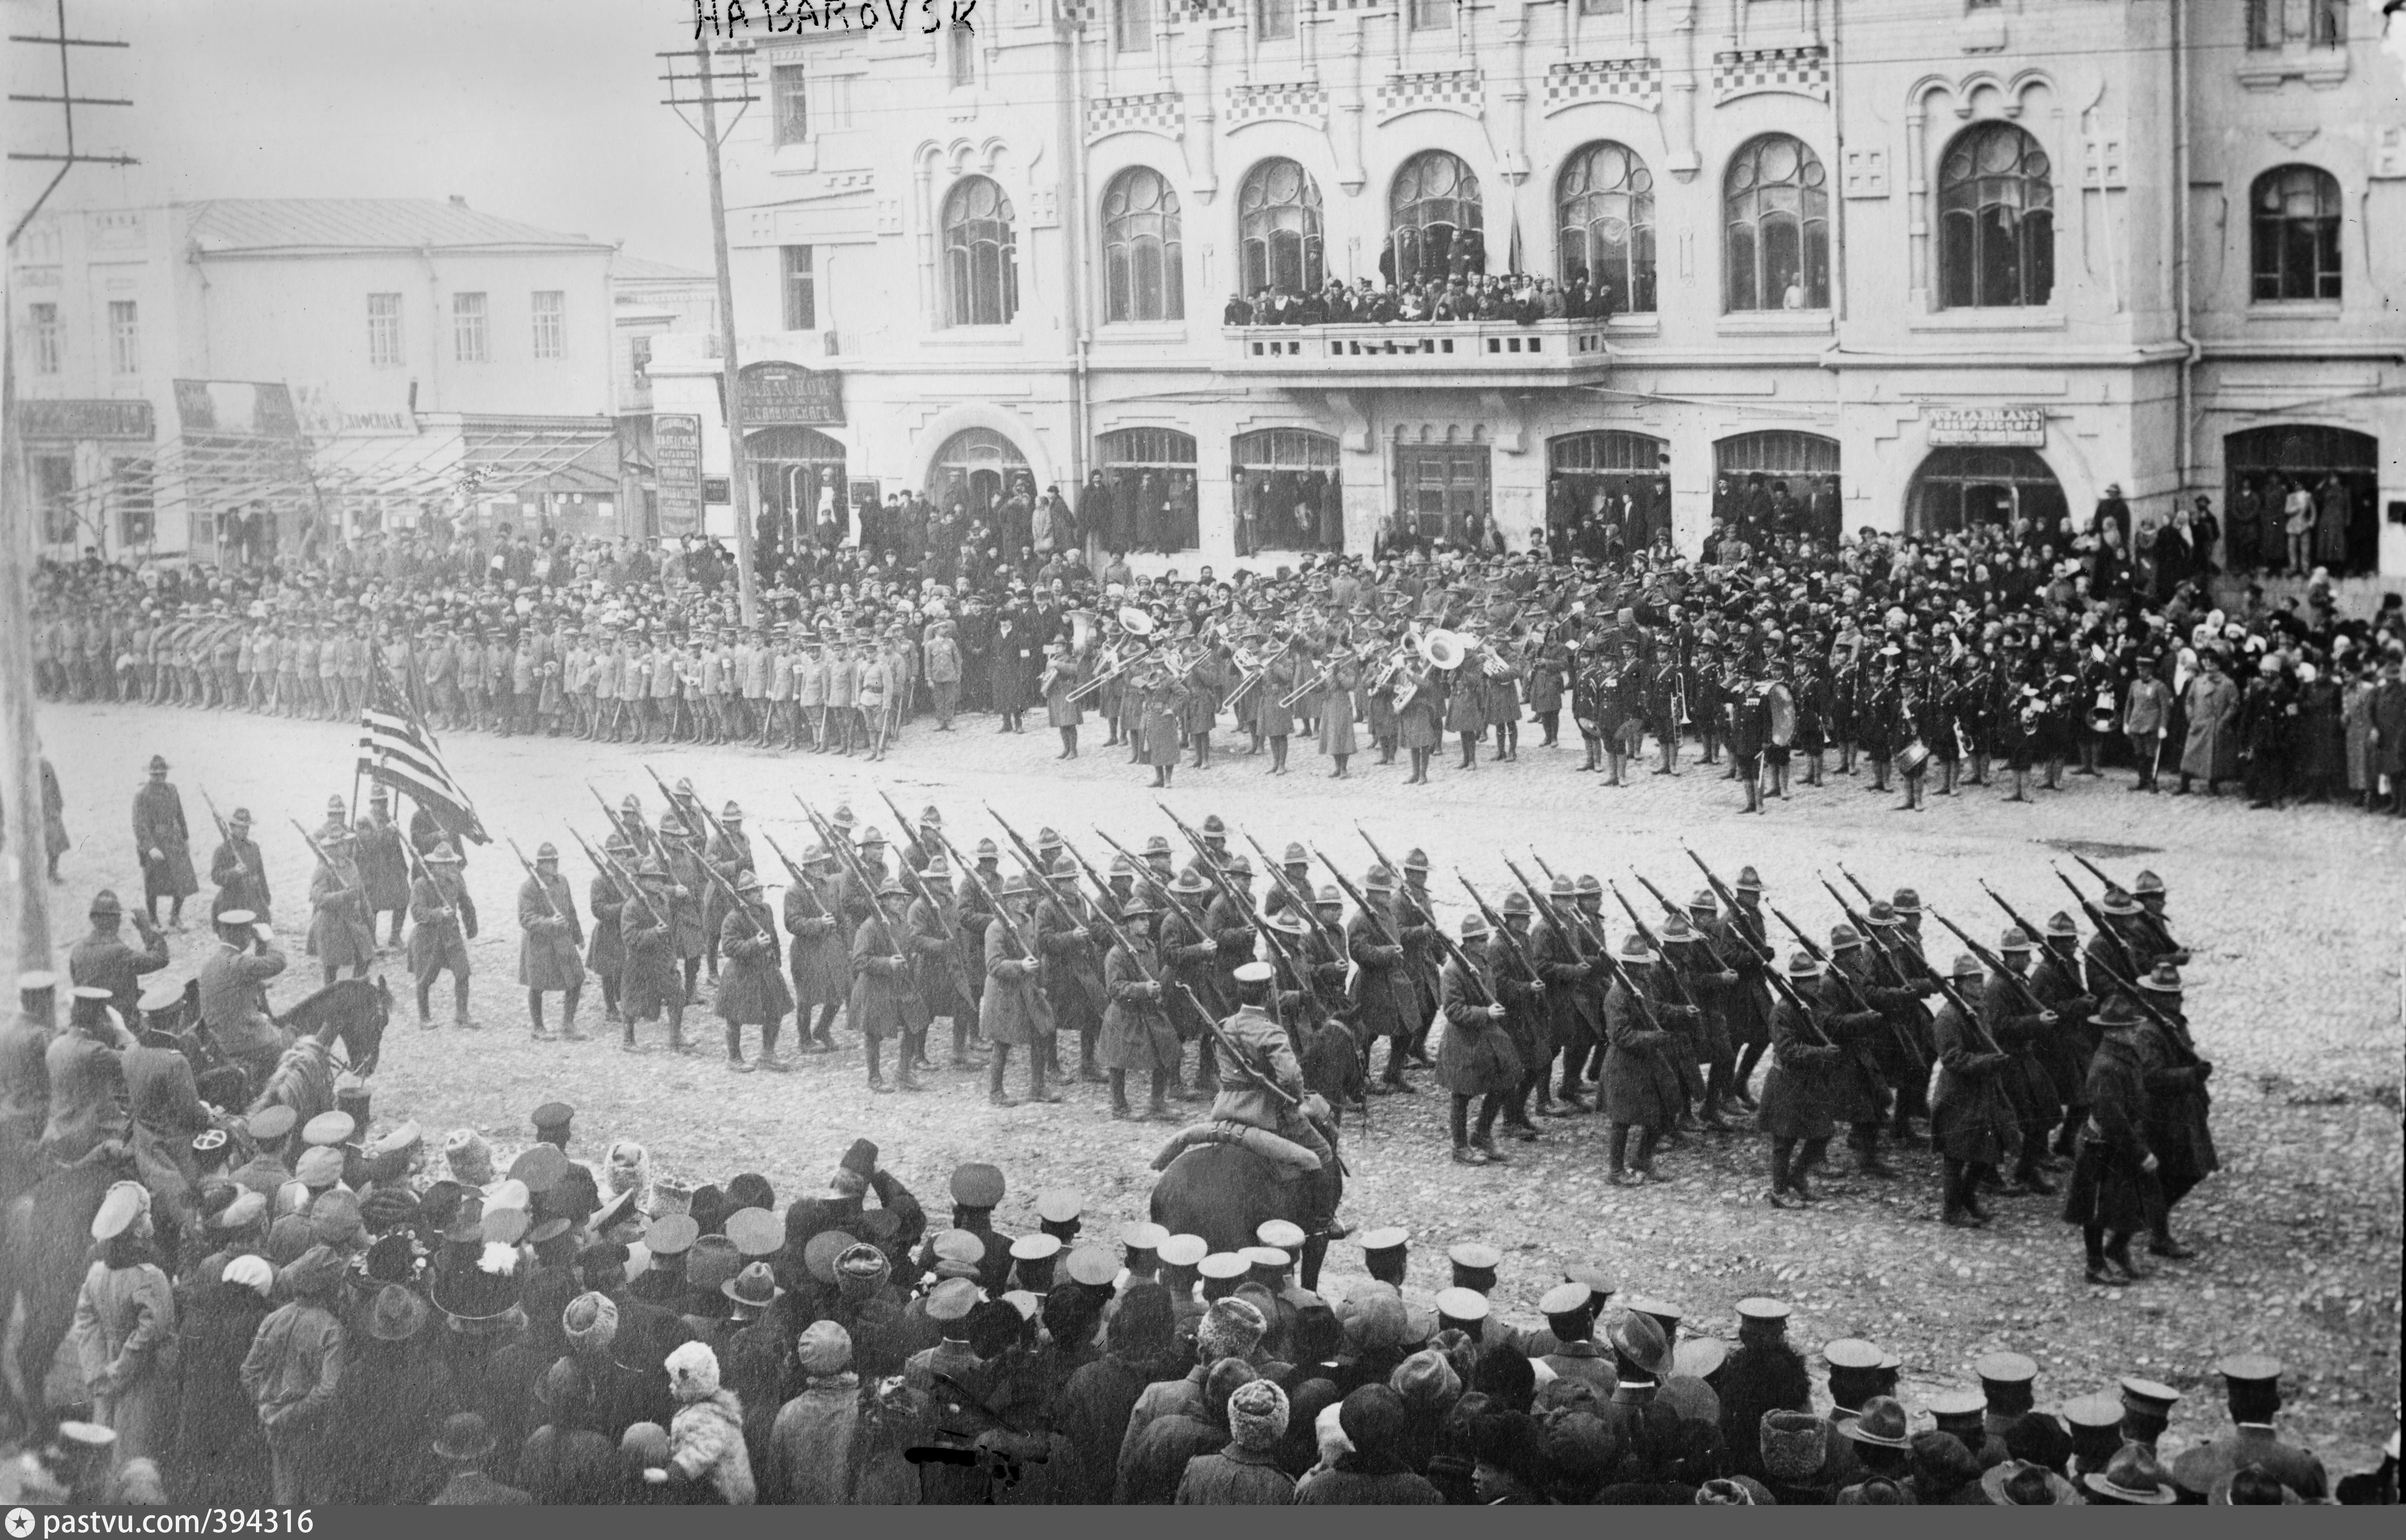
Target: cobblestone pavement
2294, 918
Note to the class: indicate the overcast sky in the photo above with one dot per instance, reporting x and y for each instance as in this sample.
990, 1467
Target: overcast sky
540, 110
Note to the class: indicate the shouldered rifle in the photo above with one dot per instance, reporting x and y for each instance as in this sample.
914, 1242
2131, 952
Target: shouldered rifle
1814, 951
902, 825
225, 834
620, 878
1495, 923
2093, 870
2037, 937
850, 860
1646, 932
619, 823
1218, 880
1403, 883
1152, 880
2127, 982
1453, 950
718, 879
718, 829
1001, 916
917, 882
1297, 898
2097, 918
536, 877
1544, 905
1870, 933
1994, 964
1026, 853
1748, 926
1720, 964
314, 848
801, 881
1345, 884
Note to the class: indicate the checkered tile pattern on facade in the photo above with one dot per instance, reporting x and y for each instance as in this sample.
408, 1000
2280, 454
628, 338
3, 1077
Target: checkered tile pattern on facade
1802, 72
1638, 81
1214, 10
1301, 100
1331, 7
1159, 112
1080, 13
1462, 90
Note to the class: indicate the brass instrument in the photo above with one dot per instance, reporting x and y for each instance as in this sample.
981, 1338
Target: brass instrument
1327, 675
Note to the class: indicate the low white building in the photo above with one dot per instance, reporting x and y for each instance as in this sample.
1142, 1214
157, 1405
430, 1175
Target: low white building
1965, 255
198, 372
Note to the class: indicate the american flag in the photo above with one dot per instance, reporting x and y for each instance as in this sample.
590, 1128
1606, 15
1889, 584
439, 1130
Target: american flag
398, 749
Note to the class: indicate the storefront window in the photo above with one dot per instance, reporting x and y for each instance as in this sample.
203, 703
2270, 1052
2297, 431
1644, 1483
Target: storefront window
1964, 489
2339, 472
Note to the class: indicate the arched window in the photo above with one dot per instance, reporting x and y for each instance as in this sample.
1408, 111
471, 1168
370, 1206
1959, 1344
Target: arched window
1277, 229
2296, 233
977, 468
1996, 219
1605, 218
1775, 212
1142, 249
981, 259
1433, 219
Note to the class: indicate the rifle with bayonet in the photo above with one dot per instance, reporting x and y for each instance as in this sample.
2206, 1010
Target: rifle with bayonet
1511, 943
1646, 933
225, 834
1994, 964
1704, 938
1812, 950
1345, 884
1905, 967
626, 882
849, 859
2128, 982
532, 875
1152, 880
801, 880
1298, 898
1219, 881
1403, 883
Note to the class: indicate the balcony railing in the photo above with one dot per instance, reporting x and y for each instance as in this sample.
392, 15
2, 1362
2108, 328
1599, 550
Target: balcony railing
1419, 352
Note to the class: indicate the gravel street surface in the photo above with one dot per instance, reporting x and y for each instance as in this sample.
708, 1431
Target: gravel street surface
2294, 917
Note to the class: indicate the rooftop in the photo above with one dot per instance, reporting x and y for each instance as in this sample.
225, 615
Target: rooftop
241, 225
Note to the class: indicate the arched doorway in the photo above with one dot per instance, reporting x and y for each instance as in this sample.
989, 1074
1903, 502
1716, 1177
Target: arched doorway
793, 469
2340, 468
1289, 494
1777, 481
1607, 490
978, 468
1965, 488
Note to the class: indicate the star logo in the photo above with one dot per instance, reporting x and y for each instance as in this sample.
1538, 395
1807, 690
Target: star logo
21, 1523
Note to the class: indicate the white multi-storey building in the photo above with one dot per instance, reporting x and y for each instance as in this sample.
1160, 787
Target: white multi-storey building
1964, 255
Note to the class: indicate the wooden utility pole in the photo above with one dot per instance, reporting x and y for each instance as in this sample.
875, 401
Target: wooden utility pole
705, 81
20, 778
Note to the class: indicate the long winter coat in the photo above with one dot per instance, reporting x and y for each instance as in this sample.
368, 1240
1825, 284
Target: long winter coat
820, 965
2212, 751
1136, 1036
218, 1440
1389, 1000
548, 943
340, 934
1795, 1096
884, 999
751, 987
159, 825
1476, 1057
706, 1444
1971, 1118
1641, 1087
125, 1342
1014, 1011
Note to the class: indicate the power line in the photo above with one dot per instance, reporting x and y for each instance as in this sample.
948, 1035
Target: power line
67, 101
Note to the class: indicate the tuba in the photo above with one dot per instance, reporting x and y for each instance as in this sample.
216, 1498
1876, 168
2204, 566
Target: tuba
1443, 650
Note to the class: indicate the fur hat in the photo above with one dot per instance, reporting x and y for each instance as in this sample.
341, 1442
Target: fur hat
1232, 1328
1257, 1414
1793, 1445
693, 1372
468, 1157
1379, 1322
590, 1322
1426, 1379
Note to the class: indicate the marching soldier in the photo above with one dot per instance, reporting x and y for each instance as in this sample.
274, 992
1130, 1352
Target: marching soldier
551, 937
1015, 1011
442, 920
754, 992
1388, 997
340, 936
729, 851
686, 914
941, 960
605, 952
233, 995
238, 870
1641, 1085
819, 961
2113, 1179
164, 845
1072, 971
2056, 979
885, 1001
1558, 945
1972, 1116
104, 959
2027, 1037
1807, 1055
1861, 1087
648, 984
1710, 985
384, 866
1477, 1058
2179, 1108
1137, 1033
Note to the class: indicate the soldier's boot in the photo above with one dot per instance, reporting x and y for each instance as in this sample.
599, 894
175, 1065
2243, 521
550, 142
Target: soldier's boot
770, 1060
626, 1042
534, 1011
1865, 1142
569, 1031
874, 1053
1039, 1089
1120, 1109
735, 1064
678, 1043
996, 1064
1619, 1175
914, 1045
1089, 1072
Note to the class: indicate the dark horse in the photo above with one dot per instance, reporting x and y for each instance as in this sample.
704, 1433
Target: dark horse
45, 1251
1224, 1193
356, 1008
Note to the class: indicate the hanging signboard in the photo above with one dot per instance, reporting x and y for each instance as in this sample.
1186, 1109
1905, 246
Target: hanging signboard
676, 458
782, 394
1992, 426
